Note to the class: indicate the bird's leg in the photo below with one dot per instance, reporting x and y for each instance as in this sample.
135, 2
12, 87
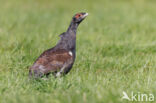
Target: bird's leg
59, 74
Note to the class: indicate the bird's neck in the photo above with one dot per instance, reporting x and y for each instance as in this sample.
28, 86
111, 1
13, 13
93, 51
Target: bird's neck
68, 40
71, 35
72, 28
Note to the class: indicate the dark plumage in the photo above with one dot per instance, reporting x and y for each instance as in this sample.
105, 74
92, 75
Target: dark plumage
59, 59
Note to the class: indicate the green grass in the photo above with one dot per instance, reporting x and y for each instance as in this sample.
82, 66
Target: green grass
116, 50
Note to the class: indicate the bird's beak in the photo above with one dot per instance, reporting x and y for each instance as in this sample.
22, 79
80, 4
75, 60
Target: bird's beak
85, 15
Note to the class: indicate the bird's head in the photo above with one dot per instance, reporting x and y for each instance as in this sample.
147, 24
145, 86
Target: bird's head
79, 17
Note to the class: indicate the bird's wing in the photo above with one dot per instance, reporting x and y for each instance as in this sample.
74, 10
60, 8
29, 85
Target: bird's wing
51, 61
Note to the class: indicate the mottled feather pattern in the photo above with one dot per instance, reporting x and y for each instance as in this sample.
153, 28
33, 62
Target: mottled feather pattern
51, 61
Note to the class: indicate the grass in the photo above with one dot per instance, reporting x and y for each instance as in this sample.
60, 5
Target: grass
116, 50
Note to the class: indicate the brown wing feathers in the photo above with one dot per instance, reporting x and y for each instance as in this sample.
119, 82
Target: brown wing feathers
51, 62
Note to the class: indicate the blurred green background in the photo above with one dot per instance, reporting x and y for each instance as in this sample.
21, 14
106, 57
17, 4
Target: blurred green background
116, 50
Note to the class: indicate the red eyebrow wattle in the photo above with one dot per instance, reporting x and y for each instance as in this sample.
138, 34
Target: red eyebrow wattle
77, 15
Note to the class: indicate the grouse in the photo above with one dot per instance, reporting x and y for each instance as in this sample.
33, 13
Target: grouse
59, 59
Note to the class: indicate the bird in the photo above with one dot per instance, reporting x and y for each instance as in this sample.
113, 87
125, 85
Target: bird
59, 59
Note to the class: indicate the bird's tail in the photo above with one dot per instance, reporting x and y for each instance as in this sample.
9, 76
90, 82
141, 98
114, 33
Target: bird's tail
35, 74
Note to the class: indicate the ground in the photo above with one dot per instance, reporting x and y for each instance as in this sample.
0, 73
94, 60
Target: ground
116, 50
